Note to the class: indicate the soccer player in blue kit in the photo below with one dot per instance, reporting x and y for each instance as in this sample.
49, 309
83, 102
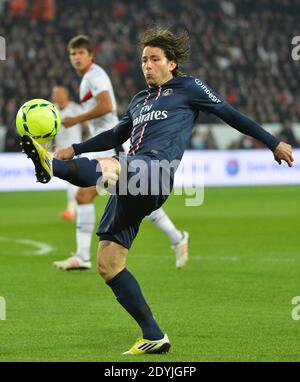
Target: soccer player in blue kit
159, 121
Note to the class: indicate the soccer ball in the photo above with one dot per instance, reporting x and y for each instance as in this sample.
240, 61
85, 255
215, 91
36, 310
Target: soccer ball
39, 119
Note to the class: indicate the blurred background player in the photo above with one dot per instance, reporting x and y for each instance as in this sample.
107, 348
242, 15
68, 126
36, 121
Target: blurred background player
100, 111
65, 137
179, 239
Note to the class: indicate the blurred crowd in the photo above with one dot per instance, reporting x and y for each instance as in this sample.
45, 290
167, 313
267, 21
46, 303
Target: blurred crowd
206, 139
239, 47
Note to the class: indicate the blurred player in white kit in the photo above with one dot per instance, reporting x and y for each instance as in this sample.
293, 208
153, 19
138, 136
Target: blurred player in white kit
67, 136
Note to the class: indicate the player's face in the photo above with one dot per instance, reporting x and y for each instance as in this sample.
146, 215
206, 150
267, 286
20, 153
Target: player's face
80, 59
156, 67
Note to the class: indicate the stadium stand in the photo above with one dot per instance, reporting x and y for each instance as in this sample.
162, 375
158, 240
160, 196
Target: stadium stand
239, 47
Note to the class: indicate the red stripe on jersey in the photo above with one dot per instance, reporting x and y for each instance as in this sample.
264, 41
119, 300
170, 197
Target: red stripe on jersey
132, 135
136, 145
158, 92
86, 97
146, 99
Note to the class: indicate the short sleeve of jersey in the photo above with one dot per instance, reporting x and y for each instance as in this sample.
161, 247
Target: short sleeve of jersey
99, 83
202, 97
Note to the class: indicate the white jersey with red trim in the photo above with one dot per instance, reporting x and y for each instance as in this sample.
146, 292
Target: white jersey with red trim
93, 82
66, 136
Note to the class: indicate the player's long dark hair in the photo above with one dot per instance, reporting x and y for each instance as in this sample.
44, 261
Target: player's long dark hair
176, 48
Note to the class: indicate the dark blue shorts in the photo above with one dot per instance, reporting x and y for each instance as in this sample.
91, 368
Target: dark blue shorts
123, 214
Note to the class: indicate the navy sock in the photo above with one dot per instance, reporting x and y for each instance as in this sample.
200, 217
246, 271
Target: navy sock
129, 295
81, 172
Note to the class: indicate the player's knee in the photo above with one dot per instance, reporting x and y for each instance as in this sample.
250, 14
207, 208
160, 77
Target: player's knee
103, 270
103, 265
80, 198
109, 262
156, 215
83, 197
107, 268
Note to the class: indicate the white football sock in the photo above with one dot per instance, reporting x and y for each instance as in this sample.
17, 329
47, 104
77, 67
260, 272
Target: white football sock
162, 221
71, 195
86, 219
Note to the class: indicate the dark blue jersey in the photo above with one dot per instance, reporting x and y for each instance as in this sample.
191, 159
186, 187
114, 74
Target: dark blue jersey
162, 118
159, 120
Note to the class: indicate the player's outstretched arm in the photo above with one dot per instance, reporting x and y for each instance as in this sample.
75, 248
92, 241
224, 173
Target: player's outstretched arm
103, 106
202, 97
239, 121
284, 152
102, 142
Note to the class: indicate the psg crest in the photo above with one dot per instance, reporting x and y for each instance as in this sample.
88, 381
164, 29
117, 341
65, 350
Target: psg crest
167, 92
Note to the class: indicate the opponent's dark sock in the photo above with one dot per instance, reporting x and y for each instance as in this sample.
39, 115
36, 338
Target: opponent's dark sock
129, 295
81, 172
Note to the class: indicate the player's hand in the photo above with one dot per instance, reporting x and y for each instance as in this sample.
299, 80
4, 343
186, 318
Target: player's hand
70, 121
284, 152
65, 154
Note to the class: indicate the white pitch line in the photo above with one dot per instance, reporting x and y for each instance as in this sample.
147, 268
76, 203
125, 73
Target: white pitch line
227, 258
42, 248
236, 258
281, 259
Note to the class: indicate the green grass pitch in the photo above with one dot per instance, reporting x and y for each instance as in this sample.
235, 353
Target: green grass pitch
232, 302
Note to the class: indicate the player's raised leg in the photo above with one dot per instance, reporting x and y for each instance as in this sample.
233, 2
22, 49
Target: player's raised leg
46, 166
81, 172
179, 239
111, 261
